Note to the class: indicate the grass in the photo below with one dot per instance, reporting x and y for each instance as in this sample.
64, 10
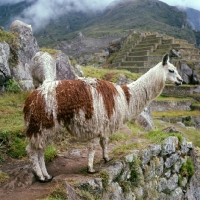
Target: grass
52, 52
107, 74
3, 177
58, 192
12, 139
176, 113
163, 98
191, 134
50, 153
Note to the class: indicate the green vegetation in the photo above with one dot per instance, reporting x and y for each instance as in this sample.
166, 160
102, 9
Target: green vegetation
104, 175
12, 139
58, 192
175, 113
187, 169
50, 153
157, 136
12, 86
107, 74
135, 175
52, 52
8, 37
12, 40
3, 177
126, 148
119, 136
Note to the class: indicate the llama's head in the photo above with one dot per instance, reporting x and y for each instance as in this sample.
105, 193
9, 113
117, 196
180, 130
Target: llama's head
172, 74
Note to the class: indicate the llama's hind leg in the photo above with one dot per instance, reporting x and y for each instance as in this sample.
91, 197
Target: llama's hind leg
43, 167
33, 157
91, 151
104, 145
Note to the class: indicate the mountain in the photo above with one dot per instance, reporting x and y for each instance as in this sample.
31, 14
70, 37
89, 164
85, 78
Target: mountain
193, 17
119, 17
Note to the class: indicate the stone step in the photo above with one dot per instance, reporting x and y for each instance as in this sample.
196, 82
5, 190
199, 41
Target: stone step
179, 91
195, 106
139, 63
167, 41
167, 103
144, 58
139, 53
183, 46
154, 40
180, 41
136, 49
140, 70
164, 46
188, 50
145, 45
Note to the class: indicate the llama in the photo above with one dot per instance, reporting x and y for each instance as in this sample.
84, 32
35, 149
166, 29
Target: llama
89, 108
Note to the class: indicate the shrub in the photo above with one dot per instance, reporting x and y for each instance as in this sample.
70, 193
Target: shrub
187, 169
12, 86
50, 153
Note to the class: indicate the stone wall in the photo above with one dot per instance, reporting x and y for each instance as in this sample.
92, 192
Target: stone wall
162, 171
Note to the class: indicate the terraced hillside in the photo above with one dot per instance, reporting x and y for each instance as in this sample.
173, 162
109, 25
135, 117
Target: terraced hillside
141, 51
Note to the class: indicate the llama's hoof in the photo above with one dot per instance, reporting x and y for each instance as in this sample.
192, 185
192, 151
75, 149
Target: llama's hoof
106, 160
46, 180
92, 172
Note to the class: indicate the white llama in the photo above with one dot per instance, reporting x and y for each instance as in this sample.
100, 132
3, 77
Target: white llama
89, 108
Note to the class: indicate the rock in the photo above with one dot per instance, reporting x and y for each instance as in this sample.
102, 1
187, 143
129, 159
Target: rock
171, 160
172, 183
123, 80
114, 170
43, 68
78, 70
159, 166
177, 194
21, 178
197, 90
162, 185
26, 49
169, 145
168, 173
180, 124
2, 79
71, 192
145, 119
145, 157
155, 149
115, 191
64, 69
4, 56
170, 129
28, 45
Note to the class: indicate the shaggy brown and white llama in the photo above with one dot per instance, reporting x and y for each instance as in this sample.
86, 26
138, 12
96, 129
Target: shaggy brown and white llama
89, 108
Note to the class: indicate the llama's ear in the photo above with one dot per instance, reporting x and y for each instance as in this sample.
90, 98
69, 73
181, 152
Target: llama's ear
165, 59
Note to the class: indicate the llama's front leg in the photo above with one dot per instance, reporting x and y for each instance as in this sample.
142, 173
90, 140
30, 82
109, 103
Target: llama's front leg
33, 157
104, 145
43, 167
91, 151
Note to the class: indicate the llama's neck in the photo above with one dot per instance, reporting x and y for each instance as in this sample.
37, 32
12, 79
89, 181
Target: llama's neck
146, 88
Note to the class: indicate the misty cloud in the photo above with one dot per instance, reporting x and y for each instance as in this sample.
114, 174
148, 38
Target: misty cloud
42, 11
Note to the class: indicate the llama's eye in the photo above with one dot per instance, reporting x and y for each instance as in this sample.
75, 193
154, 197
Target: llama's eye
171, 71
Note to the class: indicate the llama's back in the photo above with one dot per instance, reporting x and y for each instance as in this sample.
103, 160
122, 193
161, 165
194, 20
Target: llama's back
88, 108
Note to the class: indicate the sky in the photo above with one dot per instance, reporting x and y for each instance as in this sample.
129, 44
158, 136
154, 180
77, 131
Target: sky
42, 11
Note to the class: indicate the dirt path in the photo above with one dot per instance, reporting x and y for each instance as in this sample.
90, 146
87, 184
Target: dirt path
69, 165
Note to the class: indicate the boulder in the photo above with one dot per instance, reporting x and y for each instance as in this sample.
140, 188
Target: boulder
64, 69
24, 51
4, 56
